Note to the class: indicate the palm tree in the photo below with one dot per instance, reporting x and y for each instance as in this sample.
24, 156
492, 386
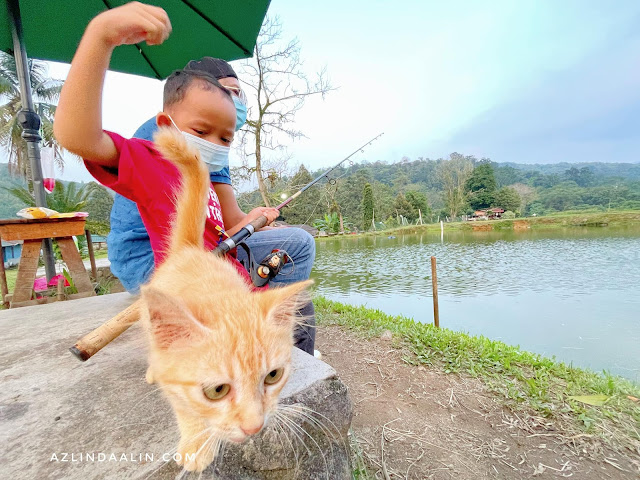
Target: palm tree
69, 198
74, 197
45, 92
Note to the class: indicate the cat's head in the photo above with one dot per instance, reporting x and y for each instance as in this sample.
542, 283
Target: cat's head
223, 361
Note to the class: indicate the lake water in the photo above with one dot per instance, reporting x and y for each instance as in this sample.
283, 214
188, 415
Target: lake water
572, 293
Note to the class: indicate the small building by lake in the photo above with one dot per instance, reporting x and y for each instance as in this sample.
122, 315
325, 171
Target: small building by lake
11, 251
488, 214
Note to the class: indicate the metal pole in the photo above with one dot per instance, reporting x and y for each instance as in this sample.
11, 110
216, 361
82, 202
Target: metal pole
434, 285
30, 122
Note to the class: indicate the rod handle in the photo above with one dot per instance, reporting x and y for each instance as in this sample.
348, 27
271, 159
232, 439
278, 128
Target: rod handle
94, 341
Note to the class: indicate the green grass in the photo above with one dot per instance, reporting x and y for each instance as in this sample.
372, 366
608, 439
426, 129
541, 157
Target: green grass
99, 254
523, 381
12, 274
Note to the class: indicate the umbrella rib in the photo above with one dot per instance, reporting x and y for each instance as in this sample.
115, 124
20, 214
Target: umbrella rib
137, 45
144, 55
216, 26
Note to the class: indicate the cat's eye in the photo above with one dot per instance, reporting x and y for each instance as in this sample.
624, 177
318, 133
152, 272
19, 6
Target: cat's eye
216, 392
274, 376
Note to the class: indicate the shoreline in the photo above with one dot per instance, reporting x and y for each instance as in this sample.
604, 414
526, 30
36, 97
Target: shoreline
560, 220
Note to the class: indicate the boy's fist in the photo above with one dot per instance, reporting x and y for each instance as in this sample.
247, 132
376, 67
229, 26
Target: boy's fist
132, 23
269, 212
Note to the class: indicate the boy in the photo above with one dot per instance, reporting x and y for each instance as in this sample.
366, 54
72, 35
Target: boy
194, 102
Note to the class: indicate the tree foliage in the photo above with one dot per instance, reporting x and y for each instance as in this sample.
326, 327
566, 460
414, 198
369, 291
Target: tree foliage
403, 207
454, 174
508, 199
481, 186
45, 92
419, 202
298, 212
367, 206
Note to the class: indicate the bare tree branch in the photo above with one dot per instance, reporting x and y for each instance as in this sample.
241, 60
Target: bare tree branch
281, 84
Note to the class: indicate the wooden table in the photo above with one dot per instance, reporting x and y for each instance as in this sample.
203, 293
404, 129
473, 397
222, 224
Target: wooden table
32, 232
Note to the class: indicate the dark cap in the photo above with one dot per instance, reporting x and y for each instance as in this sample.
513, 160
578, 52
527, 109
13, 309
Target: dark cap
213, 66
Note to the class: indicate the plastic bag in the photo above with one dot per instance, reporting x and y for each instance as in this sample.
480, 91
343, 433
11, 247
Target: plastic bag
47, 157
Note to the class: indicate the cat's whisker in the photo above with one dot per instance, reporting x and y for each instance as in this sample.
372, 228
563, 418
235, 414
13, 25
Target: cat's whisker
308, 413
218, 457
286, 423
305, 417
132, 425
280, 432
300, 429
162, 463
205, 448
142, 399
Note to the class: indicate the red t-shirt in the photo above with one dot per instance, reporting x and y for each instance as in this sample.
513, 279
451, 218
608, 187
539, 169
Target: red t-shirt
149, 180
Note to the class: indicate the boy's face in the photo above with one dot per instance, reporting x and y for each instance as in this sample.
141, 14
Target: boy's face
208, 114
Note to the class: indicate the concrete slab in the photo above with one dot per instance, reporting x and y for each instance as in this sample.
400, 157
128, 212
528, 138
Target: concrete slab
63, 419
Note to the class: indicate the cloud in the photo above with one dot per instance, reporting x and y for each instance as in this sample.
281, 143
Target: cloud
586, 112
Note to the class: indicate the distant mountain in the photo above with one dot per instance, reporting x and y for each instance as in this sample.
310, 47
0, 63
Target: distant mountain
630, 171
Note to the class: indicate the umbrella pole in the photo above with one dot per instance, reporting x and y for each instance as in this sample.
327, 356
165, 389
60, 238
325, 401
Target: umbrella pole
30, 122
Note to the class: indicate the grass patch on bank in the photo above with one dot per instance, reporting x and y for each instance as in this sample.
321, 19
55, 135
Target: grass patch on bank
525, 381
12, 274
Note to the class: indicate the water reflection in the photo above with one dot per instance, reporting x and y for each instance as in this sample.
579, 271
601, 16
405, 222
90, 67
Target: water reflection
571, 292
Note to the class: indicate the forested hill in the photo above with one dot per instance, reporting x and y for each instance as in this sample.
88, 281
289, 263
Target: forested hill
629, 171
452, 188
507, 173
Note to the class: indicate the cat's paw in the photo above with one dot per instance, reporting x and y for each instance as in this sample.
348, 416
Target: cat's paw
149, 376
193, 456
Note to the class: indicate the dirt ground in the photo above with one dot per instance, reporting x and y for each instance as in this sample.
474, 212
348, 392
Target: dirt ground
417, 423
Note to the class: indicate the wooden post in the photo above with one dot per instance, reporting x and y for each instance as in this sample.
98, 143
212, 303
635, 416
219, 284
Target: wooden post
434, 283
61, 295
92, 258
4, 288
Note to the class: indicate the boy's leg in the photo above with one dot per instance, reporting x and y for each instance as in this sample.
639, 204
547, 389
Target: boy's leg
301, 246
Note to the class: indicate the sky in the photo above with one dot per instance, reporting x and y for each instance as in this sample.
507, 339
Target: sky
522, 81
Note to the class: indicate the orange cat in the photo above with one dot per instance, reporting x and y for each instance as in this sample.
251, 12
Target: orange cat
220, 351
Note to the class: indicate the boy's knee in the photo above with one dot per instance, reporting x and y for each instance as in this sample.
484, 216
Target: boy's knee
304, 242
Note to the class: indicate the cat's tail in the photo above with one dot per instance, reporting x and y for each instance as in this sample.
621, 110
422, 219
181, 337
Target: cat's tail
192, 199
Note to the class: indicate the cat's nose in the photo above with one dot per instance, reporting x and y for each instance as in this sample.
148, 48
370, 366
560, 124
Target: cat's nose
252, 429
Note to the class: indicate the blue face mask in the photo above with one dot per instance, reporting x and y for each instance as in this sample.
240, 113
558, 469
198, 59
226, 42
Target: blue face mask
241, 112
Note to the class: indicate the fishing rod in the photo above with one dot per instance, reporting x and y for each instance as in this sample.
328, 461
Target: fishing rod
248, 230
326, 174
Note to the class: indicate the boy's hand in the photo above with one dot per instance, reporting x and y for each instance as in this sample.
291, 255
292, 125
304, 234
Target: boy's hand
130, 24
78, 124
269, 212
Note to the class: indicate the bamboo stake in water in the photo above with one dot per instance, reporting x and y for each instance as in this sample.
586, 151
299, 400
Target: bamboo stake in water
434, 283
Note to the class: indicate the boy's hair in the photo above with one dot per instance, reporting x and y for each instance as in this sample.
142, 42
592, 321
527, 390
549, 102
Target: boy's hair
180, 81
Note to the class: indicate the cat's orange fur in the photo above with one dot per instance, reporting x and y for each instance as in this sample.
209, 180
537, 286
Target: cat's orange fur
206, 327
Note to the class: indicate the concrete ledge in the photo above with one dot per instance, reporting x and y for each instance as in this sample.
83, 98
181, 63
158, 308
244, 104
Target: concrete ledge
62, 419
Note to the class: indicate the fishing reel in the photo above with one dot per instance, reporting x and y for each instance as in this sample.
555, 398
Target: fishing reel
263, 272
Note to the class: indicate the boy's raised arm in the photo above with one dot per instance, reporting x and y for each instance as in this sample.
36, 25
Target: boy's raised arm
78, 121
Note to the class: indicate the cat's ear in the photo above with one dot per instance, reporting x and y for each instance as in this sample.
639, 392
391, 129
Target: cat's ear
280, 304
171, 322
